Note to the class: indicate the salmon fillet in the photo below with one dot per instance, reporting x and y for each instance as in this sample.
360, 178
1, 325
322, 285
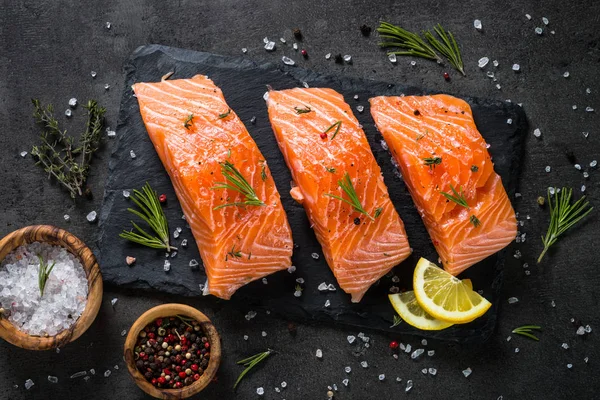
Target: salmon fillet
194, 133
359, 248
435, 142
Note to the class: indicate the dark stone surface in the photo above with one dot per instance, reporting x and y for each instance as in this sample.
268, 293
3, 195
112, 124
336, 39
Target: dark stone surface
47, 50
244, 83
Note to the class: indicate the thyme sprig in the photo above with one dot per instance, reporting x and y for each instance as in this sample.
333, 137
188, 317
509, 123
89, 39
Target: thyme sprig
410, 43
447, 47
236, 182
563, 215
335, 126
68, 163
526, 330
432, 161
457, 197
250, 363
152, 213
346, 185
44, 273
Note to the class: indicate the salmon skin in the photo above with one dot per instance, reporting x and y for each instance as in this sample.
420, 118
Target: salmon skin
196, 135
322, 141
439, 150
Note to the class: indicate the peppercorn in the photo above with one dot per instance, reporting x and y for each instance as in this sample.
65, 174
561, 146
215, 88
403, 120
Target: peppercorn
297, 33
446, 76
338, 59
393, 345
356, 221
365, 30
304, 53
163, 199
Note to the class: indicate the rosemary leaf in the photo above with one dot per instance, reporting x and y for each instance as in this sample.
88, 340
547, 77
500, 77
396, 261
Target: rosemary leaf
458, 198
188, 121
233, 253
475, 221
432, 161
447, 47
526, 330
410, 43
226, 114
346, 185
563, 216
335, 126
44, 273
236, 182
304, 110
250, 363
397, 321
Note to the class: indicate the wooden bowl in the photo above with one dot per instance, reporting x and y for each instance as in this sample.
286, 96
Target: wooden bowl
165, 311
58, 237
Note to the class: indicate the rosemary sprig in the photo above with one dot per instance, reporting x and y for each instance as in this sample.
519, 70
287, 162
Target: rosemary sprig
458, 198
58, 155
335, 126
563, 216
188, 121
233, 253
346, 185
236, 182
44, 273
304, 110
152, 213
526, 330
432, 161
447, 47
250, 363
397, 321
411, 43
225, 115
377, 212
475, 221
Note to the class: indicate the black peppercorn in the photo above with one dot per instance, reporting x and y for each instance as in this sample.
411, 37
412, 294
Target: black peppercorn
365, 30
297, 34
338, 59
356, 221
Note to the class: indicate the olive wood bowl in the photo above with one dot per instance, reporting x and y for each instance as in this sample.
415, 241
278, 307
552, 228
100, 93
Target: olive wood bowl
58, 237
165, 311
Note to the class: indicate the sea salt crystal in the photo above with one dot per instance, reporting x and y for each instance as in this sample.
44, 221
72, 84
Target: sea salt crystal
67, 217
431, 353
483, 61
392, 58
548, 168
288, 61
467, 372
566, 74
513, 300
395, 279
91, 217
132, 154
580, 331
291, 269
124, 332
351, 339
250, 315
381, 377
278, 390
93, 74
490, 74
589, 109
565, 346
360, 108
574, 107
305, 84
29, 384
167, 266
537, 133
345, 382
86, 378
569, 366
68, 112
516, 67
432, 371
270, 46
283, 384
193, 263
416, 353
110, 133
477, 24
52, 379
347, 370
282, 40
126, 193
408, 348
509, 121
78, 374
175, 234
577, 167
424, 342
498, 86
107, 373
409, 385
528, 16
93, 371
539, 30
364, 364
297, 293
331, 288
244, 50
586, 360
260, 391
295, 46
593, 163
108, 25
413, 63
322, 287
265, 281
424, 371
586, 174
545, 20
106, 86
315, 256
72, 102
553, 304
348, 58
327, 303
327, 56
263, 334
588, 329
517, 254
319, 353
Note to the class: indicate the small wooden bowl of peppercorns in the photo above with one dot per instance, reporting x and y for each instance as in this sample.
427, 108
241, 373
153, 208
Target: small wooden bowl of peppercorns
172, 351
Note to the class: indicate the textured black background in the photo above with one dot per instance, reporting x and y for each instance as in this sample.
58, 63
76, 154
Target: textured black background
47, 50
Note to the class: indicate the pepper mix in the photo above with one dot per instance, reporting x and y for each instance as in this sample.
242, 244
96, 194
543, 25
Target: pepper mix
172, 352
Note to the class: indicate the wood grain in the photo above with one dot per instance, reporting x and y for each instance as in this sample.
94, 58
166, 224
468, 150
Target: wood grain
59, 237
171, 310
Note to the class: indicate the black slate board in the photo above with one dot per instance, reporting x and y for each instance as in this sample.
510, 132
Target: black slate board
244, 83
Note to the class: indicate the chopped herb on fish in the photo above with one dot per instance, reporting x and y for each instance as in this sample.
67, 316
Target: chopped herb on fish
346, 185
330, 169
474, 168
188, 121
236, 182
304, 110
225, 115
457, 197
475, 221
431, 162
233, 253
335, 126
378, 211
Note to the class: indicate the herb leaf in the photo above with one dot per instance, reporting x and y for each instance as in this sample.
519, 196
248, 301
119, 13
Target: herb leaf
346, 185
563, 216
432, 161
236, 182
410, 43
263, 171
188, 121
225, 115
304, 110
474, 168
397, 321
475, 221
337, 127
250, 363
330, 169
152, 213
234, 253
526, 330
458, 198
377, 212
447, 47
44, 273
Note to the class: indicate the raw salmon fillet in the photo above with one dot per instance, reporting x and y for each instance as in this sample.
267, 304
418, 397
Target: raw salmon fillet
442, 126
238, 244
358, 250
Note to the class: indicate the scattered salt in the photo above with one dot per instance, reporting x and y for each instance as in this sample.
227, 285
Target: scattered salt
124, 332
167, 266
351, 339
108, 25
588, 329
424, 371
431, 353
23, 154
477, 24
345, 382
537, 133
588, 90
78, 374
295, 46
132, 154
382, 377
264, 281
348, 58
509, 121
291, 269
126, 193
548, 168
250, 315
52, 379
68, 112
322, 287
107, 373
392, 58
106, 86
283, 384
260, 391
408, 348
364, 364
545, 20
93, 74
28, 384
416, 353
539, 30
360, 108
566, 74
327, 56
528, 16
569, 366
270, 46
467, 372
73, 102
483, 61
184, 243
288, 61
319, 353
193, 263
516, 67
565, 346
263, 334
513, 300
589, 109
245, 337
580, 331
110, 133
347, 370
315, 256
409, 385
432, 371
413, 63
244, 50
593, 163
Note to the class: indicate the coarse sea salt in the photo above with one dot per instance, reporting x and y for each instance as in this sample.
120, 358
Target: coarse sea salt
65, 294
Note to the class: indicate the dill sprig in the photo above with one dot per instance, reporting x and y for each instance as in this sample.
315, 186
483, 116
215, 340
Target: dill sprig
526, 330
250, 363
226, 114
447, 47
346, 185
188, 121
411, 43
457, 197
563, 216
68, 163
152, 213
304, 110
432, 161
474, 220
335, 126
44, 273
236, 182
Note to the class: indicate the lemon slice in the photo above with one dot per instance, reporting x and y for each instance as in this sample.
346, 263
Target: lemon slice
408, 308
446, 297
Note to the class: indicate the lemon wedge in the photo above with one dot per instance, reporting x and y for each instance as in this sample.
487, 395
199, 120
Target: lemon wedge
446, 297
409, 310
